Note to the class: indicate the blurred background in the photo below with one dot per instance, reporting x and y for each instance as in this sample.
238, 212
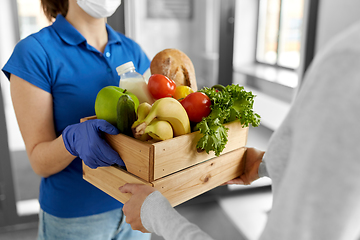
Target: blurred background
264, 45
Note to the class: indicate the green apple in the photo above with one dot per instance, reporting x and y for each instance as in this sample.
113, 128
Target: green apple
106, 102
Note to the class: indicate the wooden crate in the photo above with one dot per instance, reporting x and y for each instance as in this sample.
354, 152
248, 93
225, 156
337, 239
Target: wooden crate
174, 166
151, 161
177, 187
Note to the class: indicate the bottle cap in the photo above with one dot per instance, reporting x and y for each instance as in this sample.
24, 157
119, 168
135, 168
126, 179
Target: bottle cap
125, 68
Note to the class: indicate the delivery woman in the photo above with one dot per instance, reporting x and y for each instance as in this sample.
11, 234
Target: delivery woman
55, 75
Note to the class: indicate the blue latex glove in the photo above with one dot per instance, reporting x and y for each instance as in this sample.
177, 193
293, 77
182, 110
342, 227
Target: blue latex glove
85, 140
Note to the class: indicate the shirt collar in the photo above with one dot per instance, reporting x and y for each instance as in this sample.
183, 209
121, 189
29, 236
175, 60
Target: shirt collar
73, 37
113, 36
67, 31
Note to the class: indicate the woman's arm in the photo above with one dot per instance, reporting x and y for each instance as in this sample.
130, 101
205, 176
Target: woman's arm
34, 112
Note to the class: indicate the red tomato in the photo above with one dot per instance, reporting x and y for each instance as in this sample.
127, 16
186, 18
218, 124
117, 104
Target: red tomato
160, 86
197, 106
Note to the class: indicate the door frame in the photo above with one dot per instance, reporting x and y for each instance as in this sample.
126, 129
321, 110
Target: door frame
226, 43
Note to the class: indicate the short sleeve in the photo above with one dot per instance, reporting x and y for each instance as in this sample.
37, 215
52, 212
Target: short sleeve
29, 61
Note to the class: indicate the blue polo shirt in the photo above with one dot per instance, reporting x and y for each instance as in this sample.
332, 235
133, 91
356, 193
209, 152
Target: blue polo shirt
58, 60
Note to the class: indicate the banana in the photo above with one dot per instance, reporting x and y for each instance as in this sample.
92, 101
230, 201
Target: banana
159, 130
142, 111
166, 109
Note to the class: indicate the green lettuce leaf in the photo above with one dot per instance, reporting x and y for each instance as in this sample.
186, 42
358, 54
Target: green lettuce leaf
230, 104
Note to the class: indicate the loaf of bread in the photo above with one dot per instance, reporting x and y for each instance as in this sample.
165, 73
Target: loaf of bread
175, 65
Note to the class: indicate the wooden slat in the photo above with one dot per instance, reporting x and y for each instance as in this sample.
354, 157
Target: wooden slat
178, 187
109, 179
134, 153
191, 182
179, 153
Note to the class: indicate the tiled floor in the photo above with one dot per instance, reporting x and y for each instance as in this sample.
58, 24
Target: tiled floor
28, 233
248, 211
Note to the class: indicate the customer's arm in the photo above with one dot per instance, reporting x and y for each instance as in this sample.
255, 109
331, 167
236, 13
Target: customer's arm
149, 211
34, 112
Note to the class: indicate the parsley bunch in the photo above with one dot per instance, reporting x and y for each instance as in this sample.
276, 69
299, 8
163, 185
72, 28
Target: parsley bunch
227, 105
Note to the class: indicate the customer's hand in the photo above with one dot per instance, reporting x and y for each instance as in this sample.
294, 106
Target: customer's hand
86, 141
132, 207
253, 158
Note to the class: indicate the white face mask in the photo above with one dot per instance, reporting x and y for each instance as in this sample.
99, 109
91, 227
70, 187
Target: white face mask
99, 8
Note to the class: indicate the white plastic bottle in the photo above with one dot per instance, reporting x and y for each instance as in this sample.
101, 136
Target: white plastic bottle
134, 82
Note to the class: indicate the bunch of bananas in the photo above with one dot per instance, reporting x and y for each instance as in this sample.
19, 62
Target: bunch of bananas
163, 120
